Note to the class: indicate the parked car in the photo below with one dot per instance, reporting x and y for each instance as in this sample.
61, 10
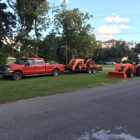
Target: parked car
109, 62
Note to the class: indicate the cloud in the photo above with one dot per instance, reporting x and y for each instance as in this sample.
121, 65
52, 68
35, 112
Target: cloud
115, 18
106, 31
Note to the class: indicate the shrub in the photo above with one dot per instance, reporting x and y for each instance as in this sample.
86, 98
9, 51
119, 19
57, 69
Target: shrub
2, 58
101, 62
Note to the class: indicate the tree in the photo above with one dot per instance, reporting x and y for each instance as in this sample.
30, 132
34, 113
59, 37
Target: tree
48, 48
2, 58
119, 50
115, 53
137, 48
32, 21
7, 23
72, 26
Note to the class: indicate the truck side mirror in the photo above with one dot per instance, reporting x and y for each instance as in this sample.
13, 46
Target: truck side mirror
27, 64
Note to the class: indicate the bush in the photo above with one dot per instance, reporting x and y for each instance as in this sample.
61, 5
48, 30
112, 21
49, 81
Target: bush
2, 58
101, 62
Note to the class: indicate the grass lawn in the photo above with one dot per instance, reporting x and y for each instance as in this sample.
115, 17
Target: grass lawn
29, 87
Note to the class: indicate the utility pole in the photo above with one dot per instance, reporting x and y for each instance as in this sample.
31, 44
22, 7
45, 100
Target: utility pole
66, 52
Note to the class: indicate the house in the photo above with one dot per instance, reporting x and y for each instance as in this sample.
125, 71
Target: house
110, 43
11, 58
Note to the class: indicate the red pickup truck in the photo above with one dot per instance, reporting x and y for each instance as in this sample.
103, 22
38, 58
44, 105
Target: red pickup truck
29, 67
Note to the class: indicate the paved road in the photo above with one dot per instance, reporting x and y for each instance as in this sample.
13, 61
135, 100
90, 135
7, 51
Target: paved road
107, 112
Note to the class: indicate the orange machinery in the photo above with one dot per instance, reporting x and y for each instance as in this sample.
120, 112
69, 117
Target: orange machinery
82, 65
125, 70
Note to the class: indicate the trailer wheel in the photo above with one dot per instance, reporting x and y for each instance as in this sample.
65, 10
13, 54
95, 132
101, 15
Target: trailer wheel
138, 71
56, 72
93, 70
17, 75
89, 70
129, 72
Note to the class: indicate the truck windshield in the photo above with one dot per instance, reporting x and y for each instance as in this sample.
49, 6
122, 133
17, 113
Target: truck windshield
20, 61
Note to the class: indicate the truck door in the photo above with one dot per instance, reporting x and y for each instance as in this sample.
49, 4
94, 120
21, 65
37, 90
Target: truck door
30, 67
40, 66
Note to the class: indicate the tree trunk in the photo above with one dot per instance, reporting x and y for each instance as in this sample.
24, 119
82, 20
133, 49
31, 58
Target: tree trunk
34, 54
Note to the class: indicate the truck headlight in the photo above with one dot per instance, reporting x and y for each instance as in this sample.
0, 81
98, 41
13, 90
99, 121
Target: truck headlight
8, 69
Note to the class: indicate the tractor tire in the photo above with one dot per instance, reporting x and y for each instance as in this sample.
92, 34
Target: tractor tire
79, 66
138, 71
56, 72
129, 73
91, 64
17, 75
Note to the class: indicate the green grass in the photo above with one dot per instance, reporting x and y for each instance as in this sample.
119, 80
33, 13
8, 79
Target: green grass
29, 87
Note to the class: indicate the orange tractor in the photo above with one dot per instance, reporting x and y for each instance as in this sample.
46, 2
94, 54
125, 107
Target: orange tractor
83, 65
125, 70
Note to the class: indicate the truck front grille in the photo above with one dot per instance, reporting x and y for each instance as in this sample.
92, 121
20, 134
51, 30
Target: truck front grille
3, 68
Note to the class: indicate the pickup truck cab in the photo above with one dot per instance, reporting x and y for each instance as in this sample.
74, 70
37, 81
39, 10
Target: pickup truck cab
29, 67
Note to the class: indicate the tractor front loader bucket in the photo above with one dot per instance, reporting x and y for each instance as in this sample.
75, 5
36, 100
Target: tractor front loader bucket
114, 74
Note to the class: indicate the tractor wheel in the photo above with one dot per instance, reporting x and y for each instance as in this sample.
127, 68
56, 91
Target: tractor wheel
17, 75
93, 70
55, 72
129, 72
138, 71
91, 64
79, 66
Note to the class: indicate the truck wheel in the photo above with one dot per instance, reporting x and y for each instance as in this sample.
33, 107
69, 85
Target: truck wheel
17, 75
138, 71
129, 72
55, 72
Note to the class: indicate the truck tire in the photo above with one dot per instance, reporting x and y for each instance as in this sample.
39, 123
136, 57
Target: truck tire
129, 72
56, 72
138, 71
17, 75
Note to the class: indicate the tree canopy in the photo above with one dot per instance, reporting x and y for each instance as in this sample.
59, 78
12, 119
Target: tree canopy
7, 23
72, 26
71, 35
32, 21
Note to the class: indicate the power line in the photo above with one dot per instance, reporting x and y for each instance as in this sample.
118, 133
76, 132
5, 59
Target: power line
118, 33
114, 10
135, 14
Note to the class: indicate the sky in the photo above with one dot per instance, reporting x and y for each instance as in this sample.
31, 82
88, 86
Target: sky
112, 19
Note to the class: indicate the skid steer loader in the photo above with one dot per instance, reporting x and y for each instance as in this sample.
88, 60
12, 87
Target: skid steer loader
125, 70
82, 65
